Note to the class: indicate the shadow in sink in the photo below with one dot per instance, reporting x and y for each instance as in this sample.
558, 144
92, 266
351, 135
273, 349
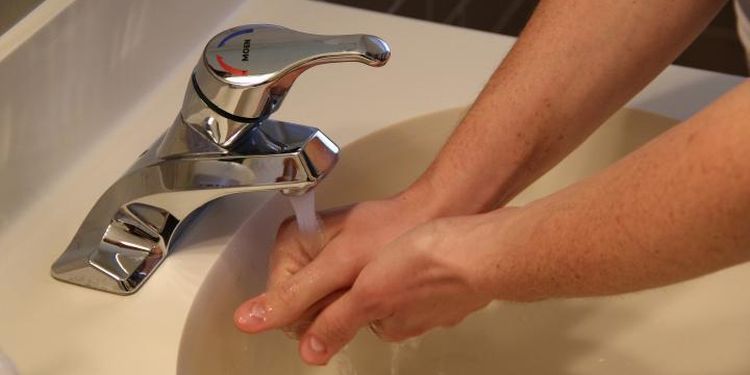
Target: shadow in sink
650, 332
217, 221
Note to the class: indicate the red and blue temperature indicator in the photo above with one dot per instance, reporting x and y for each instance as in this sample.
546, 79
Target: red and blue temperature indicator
220, 59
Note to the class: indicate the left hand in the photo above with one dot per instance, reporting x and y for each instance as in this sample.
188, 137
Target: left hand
434, 275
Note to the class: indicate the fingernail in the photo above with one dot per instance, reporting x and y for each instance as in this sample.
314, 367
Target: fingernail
252, 316
316, 346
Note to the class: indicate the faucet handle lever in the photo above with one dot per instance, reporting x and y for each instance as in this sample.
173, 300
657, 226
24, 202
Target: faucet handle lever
246, 71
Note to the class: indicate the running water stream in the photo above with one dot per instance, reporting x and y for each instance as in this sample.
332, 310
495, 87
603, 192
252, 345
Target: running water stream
308, 223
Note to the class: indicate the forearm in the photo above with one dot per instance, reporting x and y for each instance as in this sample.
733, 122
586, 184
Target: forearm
574, 65
675, 209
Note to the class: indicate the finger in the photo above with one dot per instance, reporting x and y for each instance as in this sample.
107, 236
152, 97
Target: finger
286, 302
291, 252
298, 328
294, 250
334, 328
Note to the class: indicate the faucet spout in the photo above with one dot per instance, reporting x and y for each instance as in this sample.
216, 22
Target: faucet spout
131, 227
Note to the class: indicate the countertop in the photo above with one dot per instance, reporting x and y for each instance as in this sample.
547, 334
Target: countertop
51, 327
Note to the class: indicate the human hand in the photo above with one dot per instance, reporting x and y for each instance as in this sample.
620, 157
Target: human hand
426, 278
303, 279
434, 275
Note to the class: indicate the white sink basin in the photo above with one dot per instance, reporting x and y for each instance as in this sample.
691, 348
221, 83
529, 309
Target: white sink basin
696, 327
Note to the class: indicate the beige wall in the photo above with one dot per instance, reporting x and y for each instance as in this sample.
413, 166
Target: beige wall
11, 11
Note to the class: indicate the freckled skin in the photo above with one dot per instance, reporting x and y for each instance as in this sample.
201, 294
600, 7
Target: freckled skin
677, 208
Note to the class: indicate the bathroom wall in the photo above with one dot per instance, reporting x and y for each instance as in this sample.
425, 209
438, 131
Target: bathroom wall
11, 11
60, 89
718, 48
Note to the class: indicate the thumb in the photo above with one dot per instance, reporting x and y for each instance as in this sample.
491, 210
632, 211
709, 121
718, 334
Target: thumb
334, 328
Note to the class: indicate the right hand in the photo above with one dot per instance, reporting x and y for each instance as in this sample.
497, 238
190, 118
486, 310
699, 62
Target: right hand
350, 238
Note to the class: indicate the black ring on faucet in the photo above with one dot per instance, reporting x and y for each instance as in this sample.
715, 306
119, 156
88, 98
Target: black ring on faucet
218, 110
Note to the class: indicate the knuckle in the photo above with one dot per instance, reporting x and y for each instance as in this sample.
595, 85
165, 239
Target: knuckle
335, 263
286, 294
372, 301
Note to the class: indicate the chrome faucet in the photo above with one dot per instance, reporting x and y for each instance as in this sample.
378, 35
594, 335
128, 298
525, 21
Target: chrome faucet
222, 142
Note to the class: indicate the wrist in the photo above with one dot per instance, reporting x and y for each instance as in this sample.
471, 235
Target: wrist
417, 203
423, 200
436, 198
455, 188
